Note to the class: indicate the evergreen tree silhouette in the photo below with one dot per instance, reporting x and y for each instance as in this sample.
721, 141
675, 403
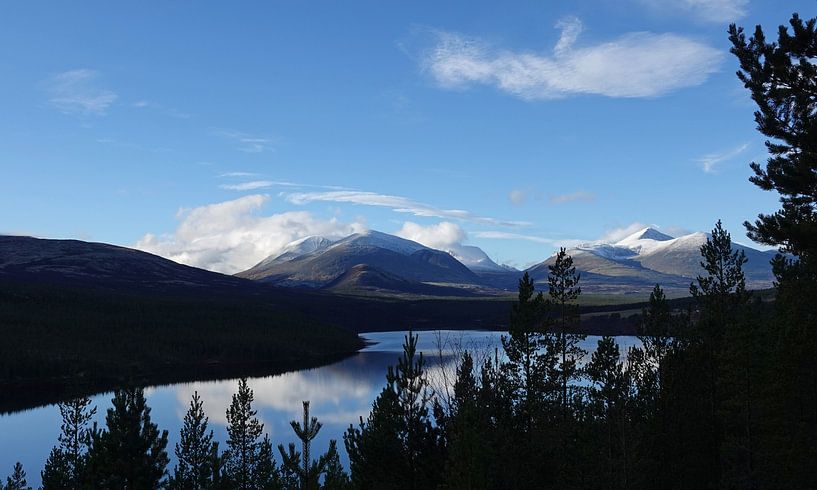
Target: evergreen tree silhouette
564, 290
781, 77
398, 446
130, 451
194, 451
17, 480
335, 477
300, 463
67, 463
243, 438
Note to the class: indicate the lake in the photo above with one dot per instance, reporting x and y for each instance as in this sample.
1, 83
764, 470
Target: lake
339, 393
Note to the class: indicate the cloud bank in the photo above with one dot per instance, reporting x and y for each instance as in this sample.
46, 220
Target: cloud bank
638, 64
230, 237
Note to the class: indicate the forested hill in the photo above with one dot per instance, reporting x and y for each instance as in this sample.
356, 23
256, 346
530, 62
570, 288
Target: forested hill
101, 264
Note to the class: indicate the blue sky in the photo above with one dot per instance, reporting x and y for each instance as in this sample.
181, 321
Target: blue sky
214, 134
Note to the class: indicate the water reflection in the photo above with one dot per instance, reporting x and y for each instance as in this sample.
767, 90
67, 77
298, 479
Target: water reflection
340, 394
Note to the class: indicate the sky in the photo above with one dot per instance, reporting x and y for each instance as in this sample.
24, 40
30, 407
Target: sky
216, 133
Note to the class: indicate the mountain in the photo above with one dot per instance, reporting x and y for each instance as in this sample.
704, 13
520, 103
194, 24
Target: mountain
475, 259
386, 253
101, 264
365, 278
649, 257
298, 248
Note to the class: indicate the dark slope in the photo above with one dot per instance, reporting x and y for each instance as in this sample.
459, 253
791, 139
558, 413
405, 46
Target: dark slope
101, 264
363, 278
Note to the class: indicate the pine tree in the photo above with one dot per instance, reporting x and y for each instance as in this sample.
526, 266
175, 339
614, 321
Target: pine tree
645, 401
194, 451
469, 459
130, 451
564, 291
17, 480
243, 438
398, 446
308, 470
723, 300
722, 291
335, 477
782, 79
607, 398
67, 464
267, 475
529, 361
656, 331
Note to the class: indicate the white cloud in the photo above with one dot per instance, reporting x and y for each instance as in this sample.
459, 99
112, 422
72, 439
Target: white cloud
75, 92
238, 174
247, 143
249, 186
721, 11
264, 184
710, 161
573, 196
396, 203
230, 237
616, 234
503, 235
638, 64
441, 236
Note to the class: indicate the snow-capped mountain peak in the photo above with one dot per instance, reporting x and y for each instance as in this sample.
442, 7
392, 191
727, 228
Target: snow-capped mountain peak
475, 258
641, 235
308, 244
372, 238
298, 248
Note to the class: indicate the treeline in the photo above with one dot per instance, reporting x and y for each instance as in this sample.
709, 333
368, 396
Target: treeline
58, 343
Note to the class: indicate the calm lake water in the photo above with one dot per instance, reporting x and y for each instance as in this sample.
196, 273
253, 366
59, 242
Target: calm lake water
339, 393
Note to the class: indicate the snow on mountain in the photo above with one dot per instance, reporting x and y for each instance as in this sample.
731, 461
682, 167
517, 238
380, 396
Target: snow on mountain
308, 244
387, 254
475, 258
298, 248
648, 256
641, 235
470, 256
378, 239
642, 242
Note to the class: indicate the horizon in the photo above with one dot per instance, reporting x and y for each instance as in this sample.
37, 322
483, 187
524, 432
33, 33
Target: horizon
413, 120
